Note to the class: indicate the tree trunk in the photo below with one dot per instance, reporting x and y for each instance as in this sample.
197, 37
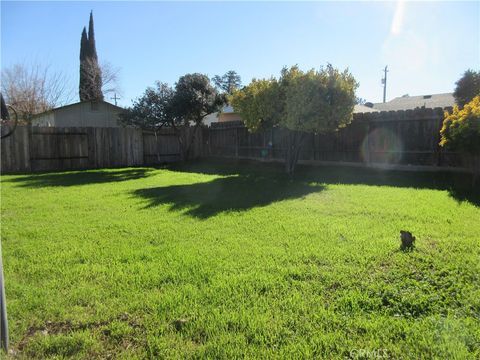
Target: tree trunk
156, 146
295, 142
179, 133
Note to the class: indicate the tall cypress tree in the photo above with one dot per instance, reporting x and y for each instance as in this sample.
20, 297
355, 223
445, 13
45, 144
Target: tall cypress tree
83, 44
84, 83
92, 51
90, 73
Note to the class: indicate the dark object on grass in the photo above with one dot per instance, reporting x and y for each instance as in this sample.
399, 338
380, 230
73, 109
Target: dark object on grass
407, 239
180, 323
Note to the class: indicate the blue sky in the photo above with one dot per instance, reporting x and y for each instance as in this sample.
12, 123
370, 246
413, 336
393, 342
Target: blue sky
426, 45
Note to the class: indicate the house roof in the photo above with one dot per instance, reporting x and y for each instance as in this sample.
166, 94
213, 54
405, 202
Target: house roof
407, 102
363, 109
77, 103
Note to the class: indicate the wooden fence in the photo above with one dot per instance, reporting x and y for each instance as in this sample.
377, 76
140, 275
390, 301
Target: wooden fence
405, 139
32, 149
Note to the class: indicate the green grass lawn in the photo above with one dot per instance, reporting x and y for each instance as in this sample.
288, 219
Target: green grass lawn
212, 260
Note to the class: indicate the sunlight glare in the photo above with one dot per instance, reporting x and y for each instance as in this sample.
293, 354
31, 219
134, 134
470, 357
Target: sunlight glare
398, 17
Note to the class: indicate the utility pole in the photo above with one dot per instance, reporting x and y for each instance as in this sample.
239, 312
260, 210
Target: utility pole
5, 116
117, 98
3, 310
384, 82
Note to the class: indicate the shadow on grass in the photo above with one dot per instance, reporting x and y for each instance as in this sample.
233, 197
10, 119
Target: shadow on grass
74, 178
231, 193
458, 185
260, 182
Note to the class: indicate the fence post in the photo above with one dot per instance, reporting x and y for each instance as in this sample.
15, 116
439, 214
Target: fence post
236, 142
367, 144
438, 149
30, 141
3, 309
91, 147
141, 149
271, 147
209, 141
313, 146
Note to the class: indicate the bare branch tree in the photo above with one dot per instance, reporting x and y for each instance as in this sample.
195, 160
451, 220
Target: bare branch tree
108, 74
110, 79
35, 88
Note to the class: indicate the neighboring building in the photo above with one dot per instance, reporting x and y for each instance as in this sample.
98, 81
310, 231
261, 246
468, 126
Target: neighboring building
407, 102
209, 119
227, 114
363, 109
81, 114
404, 102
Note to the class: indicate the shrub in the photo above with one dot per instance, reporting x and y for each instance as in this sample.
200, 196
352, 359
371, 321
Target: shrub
461, 132
461, 128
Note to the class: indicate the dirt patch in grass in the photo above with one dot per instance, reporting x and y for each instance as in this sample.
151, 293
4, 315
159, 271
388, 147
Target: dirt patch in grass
67, 327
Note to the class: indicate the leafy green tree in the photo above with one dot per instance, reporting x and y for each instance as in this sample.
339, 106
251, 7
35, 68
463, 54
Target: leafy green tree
467, 87
461, 132
152, 110
258, 104
228, 82
194, 99
303, 102
90, 87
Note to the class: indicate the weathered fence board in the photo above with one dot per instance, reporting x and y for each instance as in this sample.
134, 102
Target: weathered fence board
15, 151
58, 148
51, 148
160, 147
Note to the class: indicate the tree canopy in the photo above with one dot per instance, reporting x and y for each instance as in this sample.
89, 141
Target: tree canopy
152, 110
195, 98
467, 87
318, 101
461, 132
258, 103
303, 102
228, 82
182, 108
461, 128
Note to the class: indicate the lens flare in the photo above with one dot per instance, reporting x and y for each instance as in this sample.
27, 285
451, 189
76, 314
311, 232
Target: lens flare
397, 23
382, 146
